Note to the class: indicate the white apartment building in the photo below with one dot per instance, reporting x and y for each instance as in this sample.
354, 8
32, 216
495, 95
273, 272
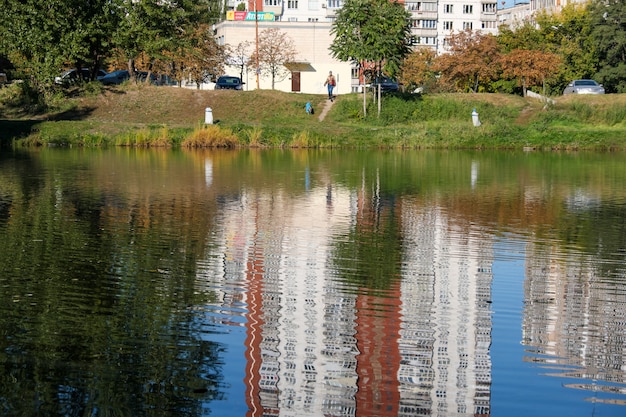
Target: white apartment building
308, 24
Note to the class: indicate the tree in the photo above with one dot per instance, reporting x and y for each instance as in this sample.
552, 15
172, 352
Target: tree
41, 38
530, 67
275, 49
567, 35
371, 31
417, 68
608, 34
147, 29
240, 56
199, 58
472, 58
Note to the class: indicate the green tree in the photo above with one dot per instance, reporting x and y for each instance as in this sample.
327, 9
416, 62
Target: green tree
608, 34
41, 38
526, 36
372, 31
567, 35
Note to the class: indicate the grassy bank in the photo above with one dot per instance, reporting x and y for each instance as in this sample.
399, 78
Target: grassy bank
141, 115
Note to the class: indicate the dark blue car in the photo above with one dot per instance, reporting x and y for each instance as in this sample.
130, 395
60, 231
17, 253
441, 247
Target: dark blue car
115, 77
226, 82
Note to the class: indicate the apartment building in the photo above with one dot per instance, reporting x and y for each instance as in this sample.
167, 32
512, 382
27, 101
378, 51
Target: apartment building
308, 24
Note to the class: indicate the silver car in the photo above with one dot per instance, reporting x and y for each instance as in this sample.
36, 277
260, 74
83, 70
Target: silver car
584, 87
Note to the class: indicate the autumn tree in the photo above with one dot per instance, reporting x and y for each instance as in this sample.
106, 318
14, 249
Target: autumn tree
275, 48
472, 58
417, 69
530, 67
200, 58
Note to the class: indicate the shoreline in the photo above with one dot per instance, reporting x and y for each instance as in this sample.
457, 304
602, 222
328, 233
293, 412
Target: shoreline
149, 116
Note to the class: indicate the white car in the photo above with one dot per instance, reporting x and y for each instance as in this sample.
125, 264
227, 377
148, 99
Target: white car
72, 76
584, 87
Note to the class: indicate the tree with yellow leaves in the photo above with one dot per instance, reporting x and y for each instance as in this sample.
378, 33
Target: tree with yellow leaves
417, 69
530, 67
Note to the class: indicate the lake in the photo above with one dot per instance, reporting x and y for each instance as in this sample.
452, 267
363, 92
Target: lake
312, 283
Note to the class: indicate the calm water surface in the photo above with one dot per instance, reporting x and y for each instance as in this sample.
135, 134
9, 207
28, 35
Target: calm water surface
308, 283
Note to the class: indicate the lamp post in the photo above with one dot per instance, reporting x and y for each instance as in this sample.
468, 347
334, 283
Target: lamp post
256, 28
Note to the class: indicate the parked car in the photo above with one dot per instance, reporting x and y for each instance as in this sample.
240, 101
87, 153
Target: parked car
584, 87
387, 84
115, 77
73, 76
227, 82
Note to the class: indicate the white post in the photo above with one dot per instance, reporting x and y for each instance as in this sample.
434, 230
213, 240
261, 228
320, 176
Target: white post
208, 116
475, 119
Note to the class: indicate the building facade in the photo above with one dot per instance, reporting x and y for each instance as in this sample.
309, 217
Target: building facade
308, 24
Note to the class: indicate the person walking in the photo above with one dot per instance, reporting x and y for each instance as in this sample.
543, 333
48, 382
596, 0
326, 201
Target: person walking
330, 84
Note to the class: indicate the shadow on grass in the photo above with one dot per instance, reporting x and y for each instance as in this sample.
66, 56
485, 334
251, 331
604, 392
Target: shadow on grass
72, 114
11, 130
15, 129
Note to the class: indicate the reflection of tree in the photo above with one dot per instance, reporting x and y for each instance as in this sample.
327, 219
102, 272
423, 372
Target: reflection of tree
100, 284
370, 256
598, 230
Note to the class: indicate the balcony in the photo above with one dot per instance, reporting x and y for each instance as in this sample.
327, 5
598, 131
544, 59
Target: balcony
278, 9
417, 14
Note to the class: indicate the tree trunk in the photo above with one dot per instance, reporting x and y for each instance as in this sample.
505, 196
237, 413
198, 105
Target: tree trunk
378, 99
364, 100
131, 69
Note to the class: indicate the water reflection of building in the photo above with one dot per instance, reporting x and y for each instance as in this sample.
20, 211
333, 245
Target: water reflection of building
446, 367
314, 348
574, 318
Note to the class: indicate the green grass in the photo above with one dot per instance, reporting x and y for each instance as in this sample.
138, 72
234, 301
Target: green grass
147, 116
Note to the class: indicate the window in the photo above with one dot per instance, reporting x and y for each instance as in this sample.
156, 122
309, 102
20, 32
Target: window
468, 9
489, 8
429, 24
489, 25
447, 25
335, 4
424, 40
292, 4
447, 8
428, 7
467, 25
271, 2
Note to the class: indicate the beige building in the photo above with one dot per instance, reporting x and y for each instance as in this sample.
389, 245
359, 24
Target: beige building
313, 60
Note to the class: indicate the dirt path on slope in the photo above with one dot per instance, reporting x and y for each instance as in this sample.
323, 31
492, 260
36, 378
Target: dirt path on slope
326, 109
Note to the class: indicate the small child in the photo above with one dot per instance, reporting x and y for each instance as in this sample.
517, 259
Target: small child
309, 108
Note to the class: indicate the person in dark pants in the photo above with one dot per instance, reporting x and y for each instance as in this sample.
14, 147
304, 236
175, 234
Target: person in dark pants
330, 83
